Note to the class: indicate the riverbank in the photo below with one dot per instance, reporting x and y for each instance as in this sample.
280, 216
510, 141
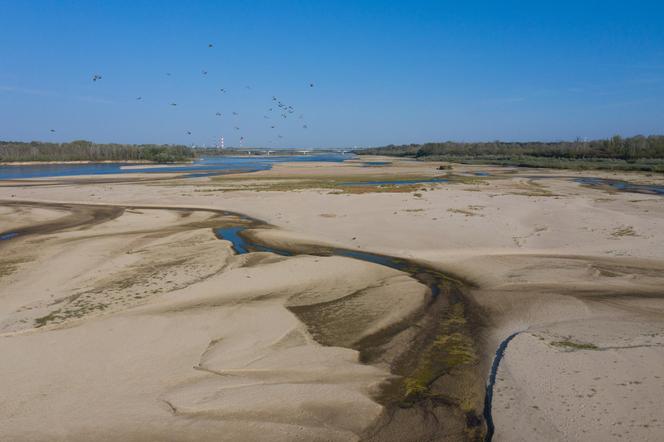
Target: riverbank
545, 257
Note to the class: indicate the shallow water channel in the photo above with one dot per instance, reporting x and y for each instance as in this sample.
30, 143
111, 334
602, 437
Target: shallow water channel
444, 290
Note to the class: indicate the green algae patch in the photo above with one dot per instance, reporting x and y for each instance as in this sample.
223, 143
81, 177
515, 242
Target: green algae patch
452, 348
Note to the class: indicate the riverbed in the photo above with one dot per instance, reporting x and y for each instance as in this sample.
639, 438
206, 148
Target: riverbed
149, 311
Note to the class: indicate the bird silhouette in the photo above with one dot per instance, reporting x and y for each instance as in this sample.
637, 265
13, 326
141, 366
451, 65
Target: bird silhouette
311, 85
174, 104
52, 130
218, 114
236, 128
139, 98
188, 133
204, 72
235, 113
223, 91
96, 77
304, 126
210, 45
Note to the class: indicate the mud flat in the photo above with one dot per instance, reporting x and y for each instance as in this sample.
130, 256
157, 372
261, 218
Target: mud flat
140, 323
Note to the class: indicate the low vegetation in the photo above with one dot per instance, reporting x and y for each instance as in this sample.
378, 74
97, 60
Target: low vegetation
623, 231
81, 150
452, 349
573, 345
346, 184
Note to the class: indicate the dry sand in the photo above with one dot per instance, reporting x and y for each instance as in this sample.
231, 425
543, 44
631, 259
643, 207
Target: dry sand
140, 324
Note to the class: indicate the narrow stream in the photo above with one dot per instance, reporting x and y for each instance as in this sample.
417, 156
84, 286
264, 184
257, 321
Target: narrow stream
241, 246
370, 347
8, 235
488, 398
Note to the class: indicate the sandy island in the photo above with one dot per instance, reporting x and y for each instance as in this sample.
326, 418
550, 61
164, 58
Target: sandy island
124, 317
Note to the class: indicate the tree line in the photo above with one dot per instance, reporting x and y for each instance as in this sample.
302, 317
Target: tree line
616, 148
82, 150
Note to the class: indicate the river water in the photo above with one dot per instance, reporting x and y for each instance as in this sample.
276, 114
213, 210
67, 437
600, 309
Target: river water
200, 167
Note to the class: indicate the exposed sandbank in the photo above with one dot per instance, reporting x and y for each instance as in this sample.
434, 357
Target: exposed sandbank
551, 258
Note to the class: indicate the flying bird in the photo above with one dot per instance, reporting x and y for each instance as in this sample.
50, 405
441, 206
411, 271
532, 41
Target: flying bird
204, 72
174, 104
210, 45
52, 130
311, 85
304, 126
96, 77
168, 74
223, 91
218, 114
188, 133
236, 128
139, 98
235, 113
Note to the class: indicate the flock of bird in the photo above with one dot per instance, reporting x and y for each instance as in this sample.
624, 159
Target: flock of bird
283, 109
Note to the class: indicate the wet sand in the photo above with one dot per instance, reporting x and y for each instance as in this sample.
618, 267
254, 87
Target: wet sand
139, 323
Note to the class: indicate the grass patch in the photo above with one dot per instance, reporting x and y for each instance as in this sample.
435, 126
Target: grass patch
466, 179
573, 345
9, 266
623, 231
53, 316
531, 188
340, 183
465, 212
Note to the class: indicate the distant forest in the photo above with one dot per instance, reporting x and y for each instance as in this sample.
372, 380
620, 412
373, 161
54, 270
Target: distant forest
634, 153
81, 150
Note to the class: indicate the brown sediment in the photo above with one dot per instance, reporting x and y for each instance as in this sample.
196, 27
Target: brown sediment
77, 216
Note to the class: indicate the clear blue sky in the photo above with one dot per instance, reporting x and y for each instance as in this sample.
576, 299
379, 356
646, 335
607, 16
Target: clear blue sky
384, 71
